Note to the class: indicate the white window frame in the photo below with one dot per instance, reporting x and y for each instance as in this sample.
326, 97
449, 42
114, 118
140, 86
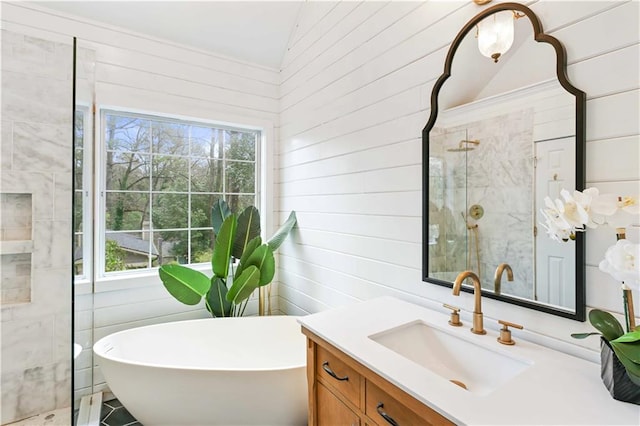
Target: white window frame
149, 276
83, 281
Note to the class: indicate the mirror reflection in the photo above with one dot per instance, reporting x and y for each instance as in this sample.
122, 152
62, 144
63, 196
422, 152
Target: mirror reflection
505, 136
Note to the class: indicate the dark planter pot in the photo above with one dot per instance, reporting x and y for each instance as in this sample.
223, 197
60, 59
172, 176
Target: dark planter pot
614, 376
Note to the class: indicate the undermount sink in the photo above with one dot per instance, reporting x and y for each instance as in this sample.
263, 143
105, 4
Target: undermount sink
480, 369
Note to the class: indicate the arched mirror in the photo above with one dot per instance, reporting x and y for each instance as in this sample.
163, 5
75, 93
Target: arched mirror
506, 130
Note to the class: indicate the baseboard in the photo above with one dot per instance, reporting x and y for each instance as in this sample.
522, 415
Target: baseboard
89, 412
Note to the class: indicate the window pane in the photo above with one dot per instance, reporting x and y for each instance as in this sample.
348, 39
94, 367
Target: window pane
170, 211
203, 143
127, 211
172, 247
78, 261
77, 168
127, 134
240, 145
170, 173
78, 126
201, 246
201, 209
237, 203
206, 175
128, 250
240, 177
162, 178
127, 172
77, 211
170, 138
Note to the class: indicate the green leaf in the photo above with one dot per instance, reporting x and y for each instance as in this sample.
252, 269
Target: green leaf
185, 284
222, 247
253, 244
584, 335
244, 285
606, 324
280, 235
219, 212
216, 299
248, 229
629, 350
262, 258
632, 336
634, 378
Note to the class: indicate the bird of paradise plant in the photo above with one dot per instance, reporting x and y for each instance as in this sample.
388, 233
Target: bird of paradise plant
237, 238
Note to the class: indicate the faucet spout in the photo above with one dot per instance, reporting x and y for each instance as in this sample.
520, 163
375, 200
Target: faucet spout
498, 276
477, 294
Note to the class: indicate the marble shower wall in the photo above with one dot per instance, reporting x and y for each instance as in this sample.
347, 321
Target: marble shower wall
500, 178
496, 174
36, 162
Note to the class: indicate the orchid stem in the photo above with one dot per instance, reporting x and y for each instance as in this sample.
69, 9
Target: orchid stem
625, 302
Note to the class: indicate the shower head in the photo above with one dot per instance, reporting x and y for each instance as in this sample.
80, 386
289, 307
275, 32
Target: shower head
463, 146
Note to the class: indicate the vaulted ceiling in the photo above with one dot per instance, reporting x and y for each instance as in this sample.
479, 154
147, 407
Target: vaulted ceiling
252, 31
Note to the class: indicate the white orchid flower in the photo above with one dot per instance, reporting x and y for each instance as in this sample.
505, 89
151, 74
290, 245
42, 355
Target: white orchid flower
575, 208
622, 262
556, 226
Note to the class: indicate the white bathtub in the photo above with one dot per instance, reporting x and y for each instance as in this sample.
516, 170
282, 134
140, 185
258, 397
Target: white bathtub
218, 371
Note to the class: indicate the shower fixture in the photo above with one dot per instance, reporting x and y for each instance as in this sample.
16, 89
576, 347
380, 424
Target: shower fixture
463, 146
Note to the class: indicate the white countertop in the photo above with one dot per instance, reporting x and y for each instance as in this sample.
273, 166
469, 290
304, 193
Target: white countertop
556, 389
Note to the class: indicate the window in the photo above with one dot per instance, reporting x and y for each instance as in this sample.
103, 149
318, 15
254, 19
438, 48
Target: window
81, 199
161, 177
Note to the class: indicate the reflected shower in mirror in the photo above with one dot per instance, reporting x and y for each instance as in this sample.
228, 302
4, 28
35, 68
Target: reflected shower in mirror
504, 132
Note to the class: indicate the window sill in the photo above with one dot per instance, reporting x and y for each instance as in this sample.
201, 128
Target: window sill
127, 281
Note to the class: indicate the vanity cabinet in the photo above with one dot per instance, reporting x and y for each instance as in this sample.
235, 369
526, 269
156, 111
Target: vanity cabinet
344, 392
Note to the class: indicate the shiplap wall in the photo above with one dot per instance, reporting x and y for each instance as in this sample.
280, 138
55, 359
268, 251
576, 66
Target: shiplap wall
354, 98
351, 100
137, 72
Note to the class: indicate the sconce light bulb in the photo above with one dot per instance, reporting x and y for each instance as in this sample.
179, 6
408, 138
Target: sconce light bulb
495, 34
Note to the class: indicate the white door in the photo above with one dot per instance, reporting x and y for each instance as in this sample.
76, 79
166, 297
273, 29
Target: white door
555, 262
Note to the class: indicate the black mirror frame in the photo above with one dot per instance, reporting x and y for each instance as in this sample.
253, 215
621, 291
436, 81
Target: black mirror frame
580, 117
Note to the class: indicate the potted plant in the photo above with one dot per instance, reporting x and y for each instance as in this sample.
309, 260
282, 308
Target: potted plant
619, 350
241, 263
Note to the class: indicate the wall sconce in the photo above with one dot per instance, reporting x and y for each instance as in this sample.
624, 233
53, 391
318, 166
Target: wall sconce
495, 33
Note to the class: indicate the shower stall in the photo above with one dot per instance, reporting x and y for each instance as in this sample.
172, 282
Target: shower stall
480, 200
36, 187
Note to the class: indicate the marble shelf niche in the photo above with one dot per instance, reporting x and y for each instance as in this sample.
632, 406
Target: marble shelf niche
16, 247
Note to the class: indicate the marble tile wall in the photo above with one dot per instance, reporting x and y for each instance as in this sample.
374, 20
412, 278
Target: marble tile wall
15, 249
15, 210
500, 179
36, 159
497, 174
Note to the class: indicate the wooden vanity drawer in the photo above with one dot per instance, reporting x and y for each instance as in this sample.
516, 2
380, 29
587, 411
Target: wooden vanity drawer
379, 404
332, 411
336, 374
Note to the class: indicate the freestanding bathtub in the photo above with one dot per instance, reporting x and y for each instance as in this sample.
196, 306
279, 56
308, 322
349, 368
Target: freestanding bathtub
217, 371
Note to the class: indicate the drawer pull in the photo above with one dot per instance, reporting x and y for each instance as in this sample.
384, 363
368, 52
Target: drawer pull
325, 367
384, 415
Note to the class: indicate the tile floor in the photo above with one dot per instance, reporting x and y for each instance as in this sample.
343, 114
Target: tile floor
114, 414
60, 417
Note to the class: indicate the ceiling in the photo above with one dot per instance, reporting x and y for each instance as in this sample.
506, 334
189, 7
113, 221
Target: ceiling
253, 31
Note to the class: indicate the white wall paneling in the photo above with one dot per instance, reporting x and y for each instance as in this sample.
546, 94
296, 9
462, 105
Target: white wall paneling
352, 110
344, 116
144, 74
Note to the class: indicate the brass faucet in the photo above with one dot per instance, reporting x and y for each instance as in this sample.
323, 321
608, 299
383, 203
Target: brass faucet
477, 293
498, 276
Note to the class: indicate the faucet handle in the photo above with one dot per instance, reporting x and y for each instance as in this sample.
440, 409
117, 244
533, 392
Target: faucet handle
505, 333
455, 315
